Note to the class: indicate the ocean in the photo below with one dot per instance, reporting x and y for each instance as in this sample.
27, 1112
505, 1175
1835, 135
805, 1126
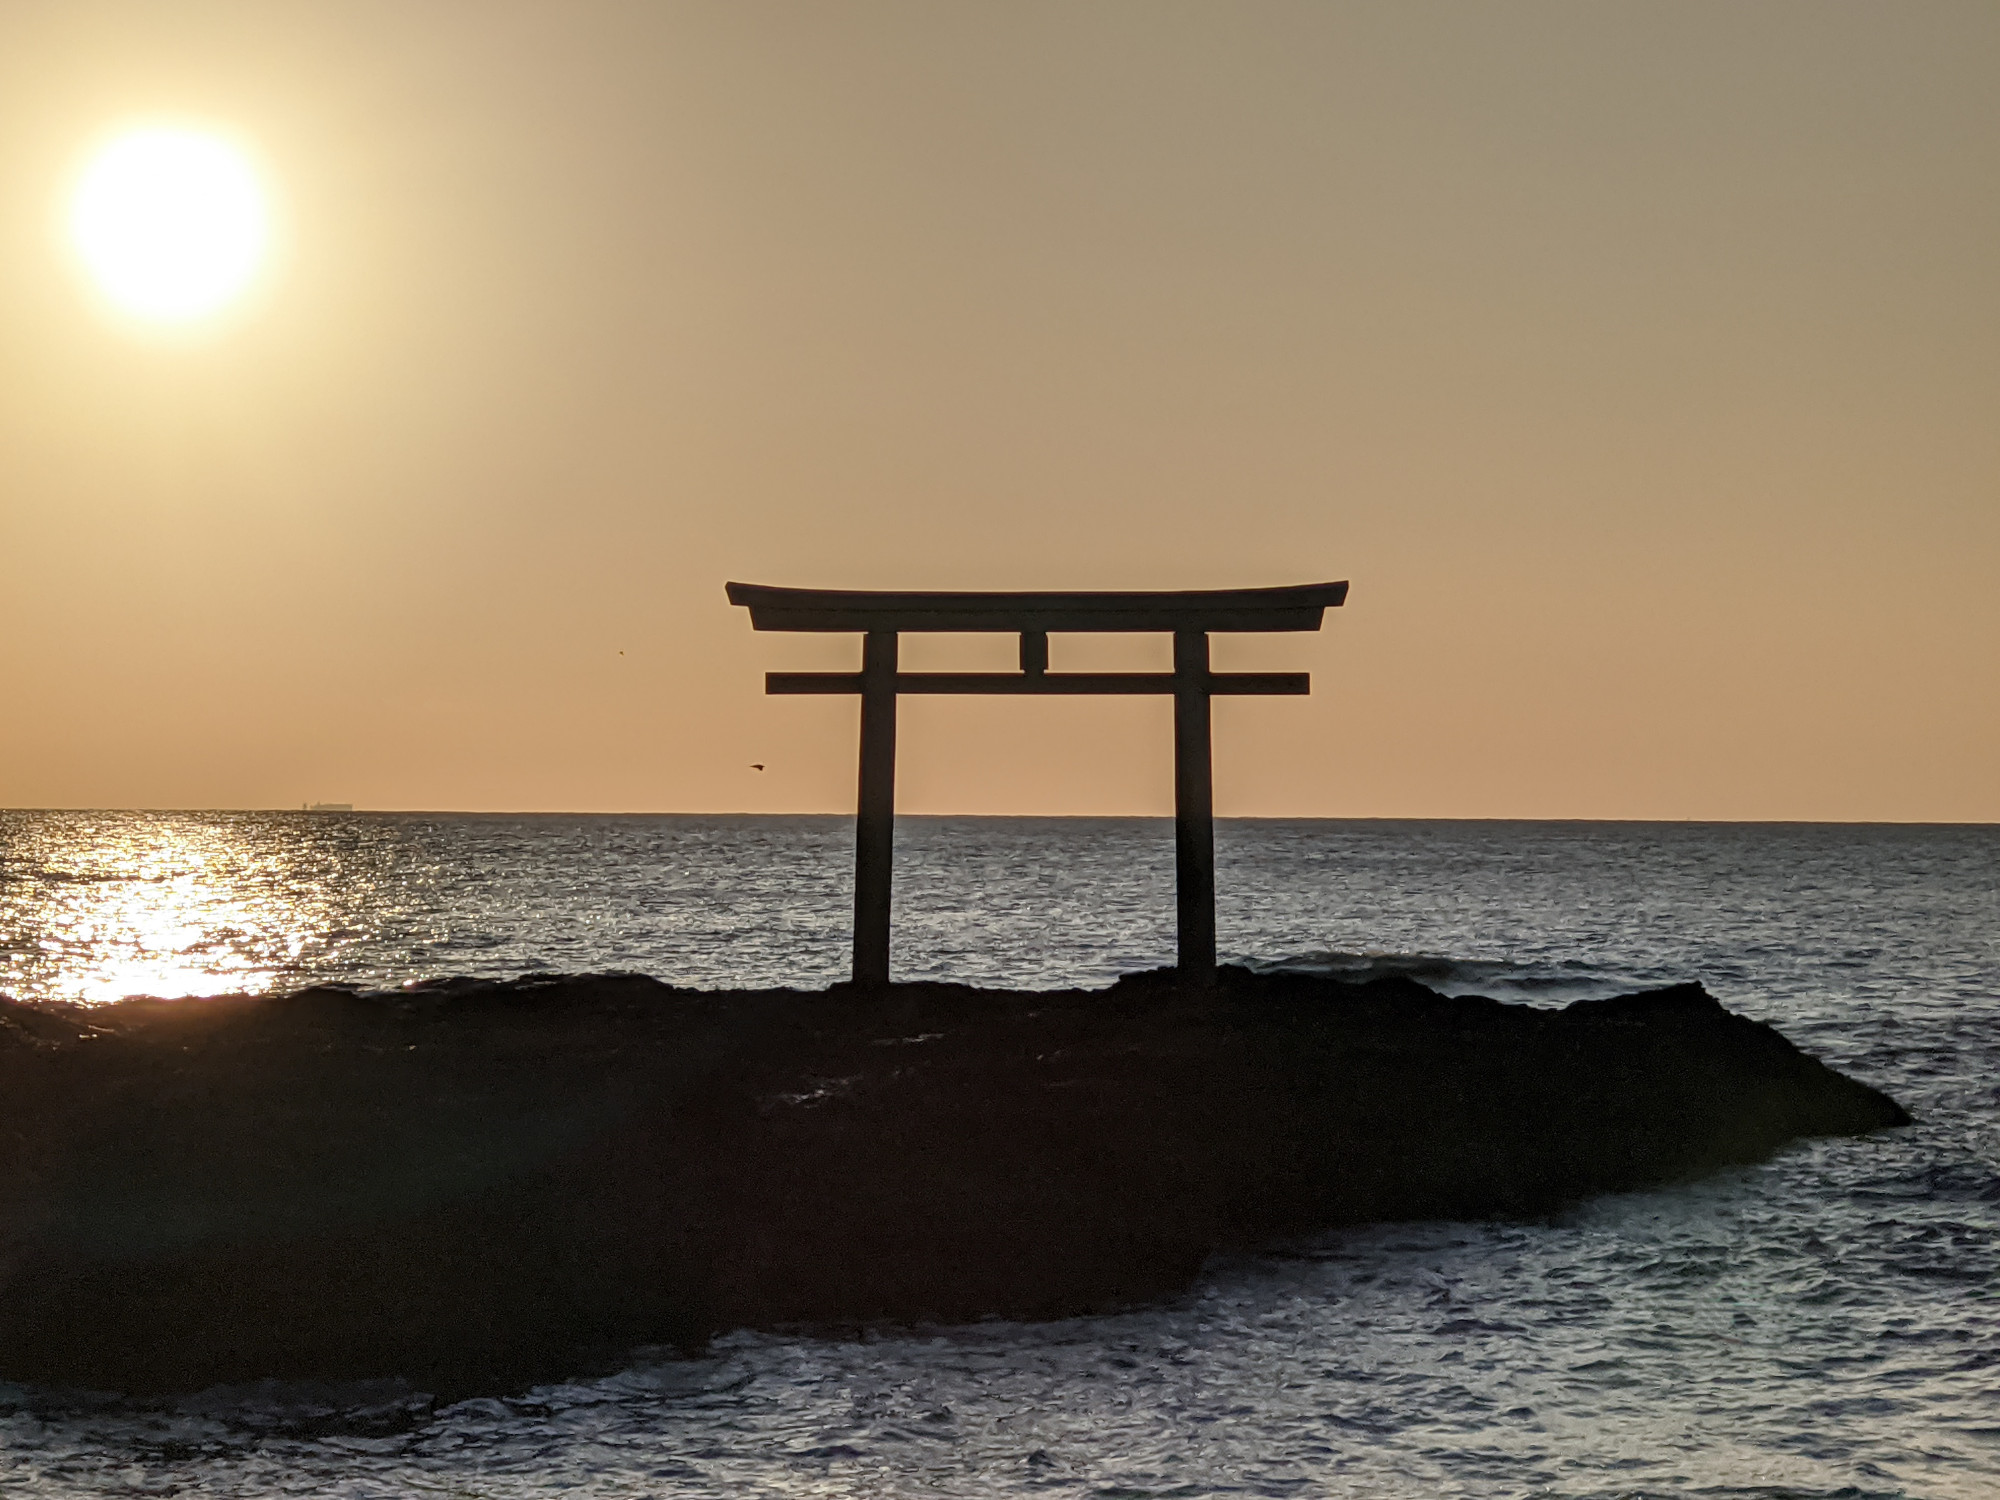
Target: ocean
1824, 1325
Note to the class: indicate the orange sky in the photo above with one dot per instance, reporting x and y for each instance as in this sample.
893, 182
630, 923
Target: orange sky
1640, 365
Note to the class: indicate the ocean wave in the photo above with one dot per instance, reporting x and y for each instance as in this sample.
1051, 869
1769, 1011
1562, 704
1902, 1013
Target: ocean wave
93, 877
1558, 982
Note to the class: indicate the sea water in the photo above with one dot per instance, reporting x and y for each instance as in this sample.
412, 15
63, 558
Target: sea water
1826, 1324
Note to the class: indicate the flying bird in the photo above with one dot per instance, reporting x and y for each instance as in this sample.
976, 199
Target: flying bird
756, 765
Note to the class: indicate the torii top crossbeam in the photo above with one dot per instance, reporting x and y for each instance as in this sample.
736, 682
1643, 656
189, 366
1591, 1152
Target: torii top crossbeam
1296, 608
1189, 615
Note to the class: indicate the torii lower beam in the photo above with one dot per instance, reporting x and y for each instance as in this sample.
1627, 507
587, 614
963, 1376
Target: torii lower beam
1188, 615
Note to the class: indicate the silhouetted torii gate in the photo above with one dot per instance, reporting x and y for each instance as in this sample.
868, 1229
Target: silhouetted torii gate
1190, 615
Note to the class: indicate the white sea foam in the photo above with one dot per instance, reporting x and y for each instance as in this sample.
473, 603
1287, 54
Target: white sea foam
1495, 978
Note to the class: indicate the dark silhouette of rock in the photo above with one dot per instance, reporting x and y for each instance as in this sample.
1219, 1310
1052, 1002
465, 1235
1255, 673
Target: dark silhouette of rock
477, 1184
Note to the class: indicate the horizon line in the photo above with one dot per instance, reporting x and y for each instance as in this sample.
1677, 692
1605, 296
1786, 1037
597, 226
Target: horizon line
1165, 817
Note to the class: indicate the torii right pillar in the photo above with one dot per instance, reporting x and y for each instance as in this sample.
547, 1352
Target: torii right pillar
1194, 807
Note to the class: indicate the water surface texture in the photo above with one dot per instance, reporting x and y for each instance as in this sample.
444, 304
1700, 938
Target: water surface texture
1825, 1325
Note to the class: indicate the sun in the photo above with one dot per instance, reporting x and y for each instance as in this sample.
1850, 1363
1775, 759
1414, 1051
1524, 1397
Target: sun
171, 222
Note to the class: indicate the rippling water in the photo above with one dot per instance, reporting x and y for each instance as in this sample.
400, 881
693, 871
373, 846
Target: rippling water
1825, 1325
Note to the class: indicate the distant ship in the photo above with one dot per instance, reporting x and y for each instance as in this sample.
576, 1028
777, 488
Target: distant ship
326, 807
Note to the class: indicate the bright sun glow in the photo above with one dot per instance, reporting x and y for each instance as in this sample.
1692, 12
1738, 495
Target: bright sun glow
171, 222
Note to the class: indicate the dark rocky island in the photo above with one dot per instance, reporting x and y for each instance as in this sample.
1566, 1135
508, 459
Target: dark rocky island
476, 1184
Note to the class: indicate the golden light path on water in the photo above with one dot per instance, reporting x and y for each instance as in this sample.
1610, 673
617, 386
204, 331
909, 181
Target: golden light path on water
100, 907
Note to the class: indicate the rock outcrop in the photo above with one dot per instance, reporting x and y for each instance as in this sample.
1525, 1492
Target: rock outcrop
477, 1184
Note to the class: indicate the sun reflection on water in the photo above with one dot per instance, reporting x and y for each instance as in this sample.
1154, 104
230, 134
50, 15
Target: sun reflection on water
97, 907
100, 906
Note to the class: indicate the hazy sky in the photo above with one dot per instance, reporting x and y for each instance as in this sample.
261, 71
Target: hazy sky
1639, 363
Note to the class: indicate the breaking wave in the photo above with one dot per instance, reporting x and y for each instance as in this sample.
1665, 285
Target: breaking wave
1556, 982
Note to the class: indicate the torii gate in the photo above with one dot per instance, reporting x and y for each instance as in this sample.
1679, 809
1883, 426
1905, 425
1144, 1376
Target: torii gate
1190, 615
